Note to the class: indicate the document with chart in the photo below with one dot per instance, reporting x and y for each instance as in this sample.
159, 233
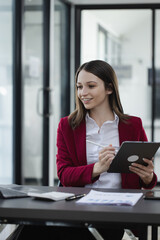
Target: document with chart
111, 198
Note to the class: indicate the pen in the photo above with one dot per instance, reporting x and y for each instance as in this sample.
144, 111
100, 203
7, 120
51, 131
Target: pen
97, 144
75, 197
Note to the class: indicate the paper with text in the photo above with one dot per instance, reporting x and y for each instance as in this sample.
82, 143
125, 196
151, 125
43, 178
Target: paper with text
111, 198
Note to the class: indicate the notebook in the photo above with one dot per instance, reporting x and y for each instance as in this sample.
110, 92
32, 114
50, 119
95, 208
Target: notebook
132, 151
55, 196
6, 193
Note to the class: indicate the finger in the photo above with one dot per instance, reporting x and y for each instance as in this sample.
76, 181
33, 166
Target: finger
146, 169
105, 154
149, 165
148, 161
141, 172
152, 159
146, 176
138, 166
109, 148
107, 157
105, 164
108, 163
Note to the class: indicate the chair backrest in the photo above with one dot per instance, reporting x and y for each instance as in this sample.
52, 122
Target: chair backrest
60, 184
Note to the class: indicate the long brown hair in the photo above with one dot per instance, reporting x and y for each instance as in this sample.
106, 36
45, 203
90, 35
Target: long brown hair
106, 73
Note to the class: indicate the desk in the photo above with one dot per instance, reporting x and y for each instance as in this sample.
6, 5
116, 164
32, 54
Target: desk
31, 211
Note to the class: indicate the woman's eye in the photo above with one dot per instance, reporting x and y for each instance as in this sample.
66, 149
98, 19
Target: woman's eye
79, 87
91, 86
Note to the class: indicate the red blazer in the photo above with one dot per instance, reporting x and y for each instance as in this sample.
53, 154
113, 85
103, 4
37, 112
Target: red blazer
72, 165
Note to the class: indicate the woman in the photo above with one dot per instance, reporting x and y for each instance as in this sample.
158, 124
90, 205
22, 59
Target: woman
99, 118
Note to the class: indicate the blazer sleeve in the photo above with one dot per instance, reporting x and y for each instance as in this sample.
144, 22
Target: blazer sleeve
153, 183
71, 170
137, 133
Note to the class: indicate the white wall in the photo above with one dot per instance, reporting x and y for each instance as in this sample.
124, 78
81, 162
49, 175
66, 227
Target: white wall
136, 51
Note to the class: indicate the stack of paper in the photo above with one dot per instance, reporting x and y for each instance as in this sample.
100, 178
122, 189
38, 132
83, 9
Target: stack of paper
55, 196
111, 198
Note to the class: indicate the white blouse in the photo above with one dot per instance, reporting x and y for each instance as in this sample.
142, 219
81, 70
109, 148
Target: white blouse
104, 135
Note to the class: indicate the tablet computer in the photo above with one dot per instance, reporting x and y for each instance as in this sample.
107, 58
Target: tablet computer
132, 151
152, 195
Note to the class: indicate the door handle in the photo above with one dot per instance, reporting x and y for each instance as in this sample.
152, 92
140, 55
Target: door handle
44, 96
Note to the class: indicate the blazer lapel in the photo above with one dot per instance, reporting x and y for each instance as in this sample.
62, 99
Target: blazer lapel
125, 131
80, 142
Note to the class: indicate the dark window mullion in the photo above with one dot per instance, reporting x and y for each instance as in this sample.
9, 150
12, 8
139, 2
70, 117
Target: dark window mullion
77, 37
17, 89
153, 73
46, 84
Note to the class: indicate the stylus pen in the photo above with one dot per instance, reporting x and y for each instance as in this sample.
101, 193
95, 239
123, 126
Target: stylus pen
97, 144
76, 196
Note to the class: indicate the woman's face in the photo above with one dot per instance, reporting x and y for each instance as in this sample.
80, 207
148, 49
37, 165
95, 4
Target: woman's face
91, 90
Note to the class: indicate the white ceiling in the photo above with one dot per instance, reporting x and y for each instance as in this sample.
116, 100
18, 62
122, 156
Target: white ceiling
99, 2
120, 21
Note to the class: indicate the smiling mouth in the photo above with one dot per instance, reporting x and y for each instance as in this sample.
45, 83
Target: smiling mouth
86, 100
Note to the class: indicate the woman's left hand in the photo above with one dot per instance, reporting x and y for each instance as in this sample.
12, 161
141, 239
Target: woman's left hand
144, 172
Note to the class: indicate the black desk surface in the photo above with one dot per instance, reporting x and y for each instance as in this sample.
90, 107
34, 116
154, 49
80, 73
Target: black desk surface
29, 210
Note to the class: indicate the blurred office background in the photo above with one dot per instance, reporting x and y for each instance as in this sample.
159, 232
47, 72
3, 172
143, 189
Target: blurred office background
42, 42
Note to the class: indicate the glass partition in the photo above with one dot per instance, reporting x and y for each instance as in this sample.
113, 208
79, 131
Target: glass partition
6, 83
61, 69
32, 121
32, 127
157, 90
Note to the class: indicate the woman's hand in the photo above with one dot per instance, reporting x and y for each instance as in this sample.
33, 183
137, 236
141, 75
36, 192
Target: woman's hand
106, 156
144, 172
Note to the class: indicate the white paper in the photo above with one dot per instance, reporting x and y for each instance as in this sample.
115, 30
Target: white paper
111, 198
56, 196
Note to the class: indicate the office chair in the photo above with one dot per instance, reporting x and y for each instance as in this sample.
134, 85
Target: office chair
15, 234
59, 184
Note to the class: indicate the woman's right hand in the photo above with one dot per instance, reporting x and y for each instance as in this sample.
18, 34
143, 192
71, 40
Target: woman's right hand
106, 155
